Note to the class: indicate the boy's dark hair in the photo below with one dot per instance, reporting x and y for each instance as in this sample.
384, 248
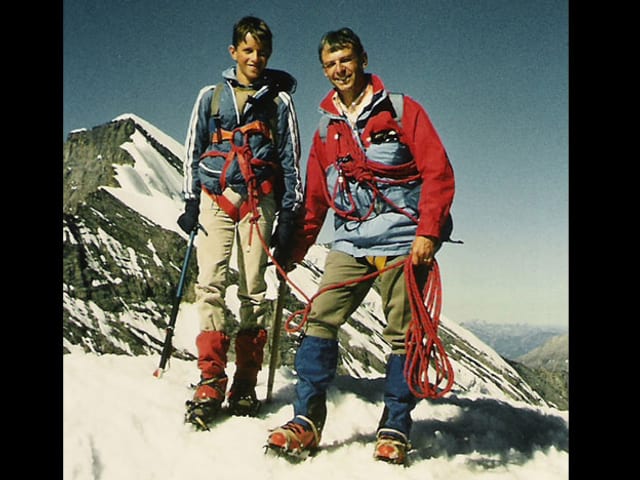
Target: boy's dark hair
258, 29
339, 39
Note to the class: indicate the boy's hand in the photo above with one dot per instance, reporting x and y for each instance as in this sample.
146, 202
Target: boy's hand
283, 239
188, 221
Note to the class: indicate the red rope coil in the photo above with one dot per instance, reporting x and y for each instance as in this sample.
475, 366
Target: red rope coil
425, 350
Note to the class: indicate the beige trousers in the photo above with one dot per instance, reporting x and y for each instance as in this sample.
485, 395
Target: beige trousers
214, 254
331, 309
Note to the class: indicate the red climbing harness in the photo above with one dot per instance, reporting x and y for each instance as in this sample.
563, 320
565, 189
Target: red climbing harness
352, 164
246, 161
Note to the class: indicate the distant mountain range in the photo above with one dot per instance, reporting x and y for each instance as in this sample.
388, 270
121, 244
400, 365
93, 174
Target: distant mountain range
513, 341
539, 354
123, 253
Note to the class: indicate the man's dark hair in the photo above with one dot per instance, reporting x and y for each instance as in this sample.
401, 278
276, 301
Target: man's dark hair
258, 29
339, 39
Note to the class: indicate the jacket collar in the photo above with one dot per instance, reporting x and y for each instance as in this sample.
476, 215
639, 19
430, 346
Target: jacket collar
272, 79
328, 107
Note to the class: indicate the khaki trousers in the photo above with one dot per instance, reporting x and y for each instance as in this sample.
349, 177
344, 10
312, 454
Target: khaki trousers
331, 309
214, 254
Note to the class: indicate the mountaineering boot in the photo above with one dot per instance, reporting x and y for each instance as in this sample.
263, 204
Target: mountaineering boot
212, 361
249, 345
391, 446
298, 437
210, 391
395, 424
315, 364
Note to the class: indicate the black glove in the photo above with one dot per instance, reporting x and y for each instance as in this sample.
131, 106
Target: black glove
283, 237
188, 221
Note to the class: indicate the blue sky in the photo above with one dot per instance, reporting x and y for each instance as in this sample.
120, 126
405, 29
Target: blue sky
492, 75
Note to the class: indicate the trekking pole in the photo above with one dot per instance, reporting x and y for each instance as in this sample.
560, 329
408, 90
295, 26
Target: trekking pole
275, 336
166, 349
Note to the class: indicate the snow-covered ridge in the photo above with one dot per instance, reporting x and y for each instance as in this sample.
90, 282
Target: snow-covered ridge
150, 186
176, 148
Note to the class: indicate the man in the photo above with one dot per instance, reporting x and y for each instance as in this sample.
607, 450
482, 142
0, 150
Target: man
391, 187
241, 167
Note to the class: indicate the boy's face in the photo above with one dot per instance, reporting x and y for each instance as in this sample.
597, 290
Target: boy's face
251, 59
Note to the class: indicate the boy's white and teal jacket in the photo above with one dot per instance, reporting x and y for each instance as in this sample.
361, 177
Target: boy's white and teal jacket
272, 104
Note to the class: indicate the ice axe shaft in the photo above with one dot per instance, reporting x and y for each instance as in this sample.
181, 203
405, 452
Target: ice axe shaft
167, 347
274, 353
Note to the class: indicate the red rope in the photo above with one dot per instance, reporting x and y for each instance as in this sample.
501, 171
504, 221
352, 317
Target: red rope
353, 164
425, 350
305, 311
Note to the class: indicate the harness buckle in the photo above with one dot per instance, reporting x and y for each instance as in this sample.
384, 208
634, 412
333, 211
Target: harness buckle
238, 138
339, 162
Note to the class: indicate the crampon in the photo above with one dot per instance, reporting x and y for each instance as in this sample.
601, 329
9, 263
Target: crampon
391, 448
293, 441
246, 406
201, 414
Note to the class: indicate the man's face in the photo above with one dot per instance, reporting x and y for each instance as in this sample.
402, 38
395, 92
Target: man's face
251, 59
344, 69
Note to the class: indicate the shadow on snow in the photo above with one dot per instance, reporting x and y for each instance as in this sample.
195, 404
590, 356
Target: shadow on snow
495, 432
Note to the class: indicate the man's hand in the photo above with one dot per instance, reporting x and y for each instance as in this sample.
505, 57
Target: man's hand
423, 250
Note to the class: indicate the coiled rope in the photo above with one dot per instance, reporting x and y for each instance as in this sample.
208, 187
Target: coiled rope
425, 350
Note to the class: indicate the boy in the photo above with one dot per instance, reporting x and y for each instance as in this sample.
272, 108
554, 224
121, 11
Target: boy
241, 167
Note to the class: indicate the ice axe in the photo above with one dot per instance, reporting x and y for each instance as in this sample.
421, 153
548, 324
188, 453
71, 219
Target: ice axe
275, 336
167, 347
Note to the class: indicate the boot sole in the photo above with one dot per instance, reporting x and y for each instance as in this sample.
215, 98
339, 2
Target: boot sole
392, 461
245, 410
291, 456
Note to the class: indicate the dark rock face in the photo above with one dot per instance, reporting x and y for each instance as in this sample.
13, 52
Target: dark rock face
114, 260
